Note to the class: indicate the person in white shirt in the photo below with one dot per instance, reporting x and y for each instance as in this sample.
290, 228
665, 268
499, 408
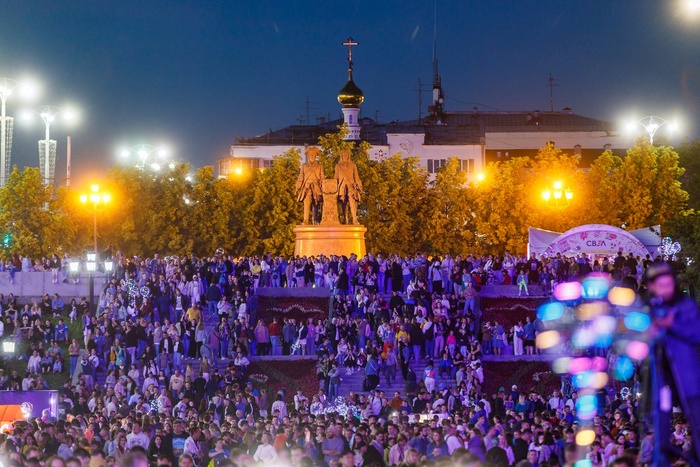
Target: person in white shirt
137, 437
299, 399
556, 402
241, 361
265, 452
34, 363
192, 445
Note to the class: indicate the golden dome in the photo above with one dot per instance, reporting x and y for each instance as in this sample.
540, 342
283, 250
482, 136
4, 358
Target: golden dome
350, 95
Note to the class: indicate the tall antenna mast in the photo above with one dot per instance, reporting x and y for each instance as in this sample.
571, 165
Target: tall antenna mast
435, 108
435, 63
551, 85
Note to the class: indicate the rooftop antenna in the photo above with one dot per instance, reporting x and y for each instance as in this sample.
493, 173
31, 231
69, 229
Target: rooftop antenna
551, 85
421, 89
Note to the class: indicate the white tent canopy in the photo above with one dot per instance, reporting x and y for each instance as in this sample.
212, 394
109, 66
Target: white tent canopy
594, 239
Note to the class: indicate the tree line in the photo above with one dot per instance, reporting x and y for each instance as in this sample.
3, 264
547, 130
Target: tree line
404, 210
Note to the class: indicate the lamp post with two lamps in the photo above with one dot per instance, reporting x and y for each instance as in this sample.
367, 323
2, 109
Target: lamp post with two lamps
557, 196
144, 152
651, 125
7, 87
96, 199
47, 147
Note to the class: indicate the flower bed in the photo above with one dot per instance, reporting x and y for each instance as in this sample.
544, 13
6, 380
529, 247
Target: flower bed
506, 303
285, 374
508, 311
292, 307
528, 376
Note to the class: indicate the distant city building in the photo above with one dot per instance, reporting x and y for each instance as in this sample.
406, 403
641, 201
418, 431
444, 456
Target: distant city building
474, 137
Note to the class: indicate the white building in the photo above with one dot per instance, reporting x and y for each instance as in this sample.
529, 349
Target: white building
475, 137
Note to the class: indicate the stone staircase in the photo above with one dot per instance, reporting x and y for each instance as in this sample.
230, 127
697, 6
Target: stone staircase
353, 382
209, 324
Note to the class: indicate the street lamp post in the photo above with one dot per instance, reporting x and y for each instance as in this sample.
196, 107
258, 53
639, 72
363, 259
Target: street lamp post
143, 153
91, 266
557, 196
7, 86
651, 125
48, 114
96, 198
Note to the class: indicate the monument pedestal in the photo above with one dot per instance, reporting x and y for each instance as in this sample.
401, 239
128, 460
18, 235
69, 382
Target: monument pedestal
330, 239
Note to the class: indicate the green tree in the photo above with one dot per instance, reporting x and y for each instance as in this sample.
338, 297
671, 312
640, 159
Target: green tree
649, 188
211, 215
148, 210
24, 215
689, 159
273, 210
447, 223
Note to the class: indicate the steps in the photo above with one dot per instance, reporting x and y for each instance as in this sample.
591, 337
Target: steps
353, 382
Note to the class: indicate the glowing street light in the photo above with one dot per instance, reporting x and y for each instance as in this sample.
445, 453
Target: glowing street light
144, 153
27, 90
47, 147
651, 125
96, 199
557, 196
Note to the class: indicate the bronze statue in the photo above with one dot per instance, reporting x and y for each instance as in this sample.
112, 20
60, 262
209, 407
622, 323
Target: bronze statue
349, 185
308, 187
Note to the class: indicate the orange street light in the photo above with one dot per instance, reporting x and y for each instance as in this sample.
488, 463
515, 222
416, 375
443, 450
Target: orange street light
96, 199
557, 197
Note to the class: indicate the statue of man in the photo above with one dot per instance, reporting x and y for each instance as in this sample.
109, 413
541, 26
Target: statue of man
349, 185
308, 187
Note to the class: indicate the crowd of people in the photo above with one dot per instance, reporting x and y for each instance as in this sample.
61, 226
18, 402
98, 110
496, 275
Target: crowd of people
162, 325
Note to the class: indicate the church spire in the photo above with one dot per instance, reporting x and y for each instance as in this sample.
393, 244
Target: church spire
351, 96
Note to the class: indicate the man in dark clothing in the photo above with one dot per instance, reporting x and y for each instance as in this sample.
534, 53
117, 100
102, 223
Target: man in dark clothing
374, 457
213, 296
521, 444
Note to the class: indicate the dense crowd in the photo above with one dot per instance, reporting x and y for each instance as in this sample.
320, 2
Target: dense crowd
161, 325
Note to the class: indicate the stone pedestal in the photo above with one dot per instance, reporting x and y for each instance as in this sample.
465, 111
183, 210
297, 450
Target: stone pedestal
330, 239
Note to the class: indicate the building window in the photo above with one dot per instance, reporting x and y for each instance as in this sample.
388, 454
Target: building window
434, 165
267, 163
466, 165
577, 149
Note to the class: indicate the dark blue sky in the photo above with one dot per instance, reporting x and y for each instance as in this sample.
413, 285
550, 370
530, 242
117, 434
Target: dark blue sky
198, 74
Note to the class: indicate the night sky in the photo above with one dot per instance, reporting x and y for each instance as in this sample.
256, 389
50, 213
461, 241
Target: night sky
196, 75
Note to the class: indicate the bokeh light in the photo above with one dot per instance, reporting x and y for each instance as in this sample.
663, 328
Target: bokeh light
637, 350
621, 296
548, 339
637, 321
550, 311
567, 291
595, 287
624, 368
585, 438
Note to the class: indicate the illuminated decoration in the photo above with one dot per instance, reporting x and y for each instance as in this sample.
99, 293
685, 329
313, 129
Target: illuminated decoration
26, 408
340, 407
593, 316
295, 346
669, 249
155, 406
